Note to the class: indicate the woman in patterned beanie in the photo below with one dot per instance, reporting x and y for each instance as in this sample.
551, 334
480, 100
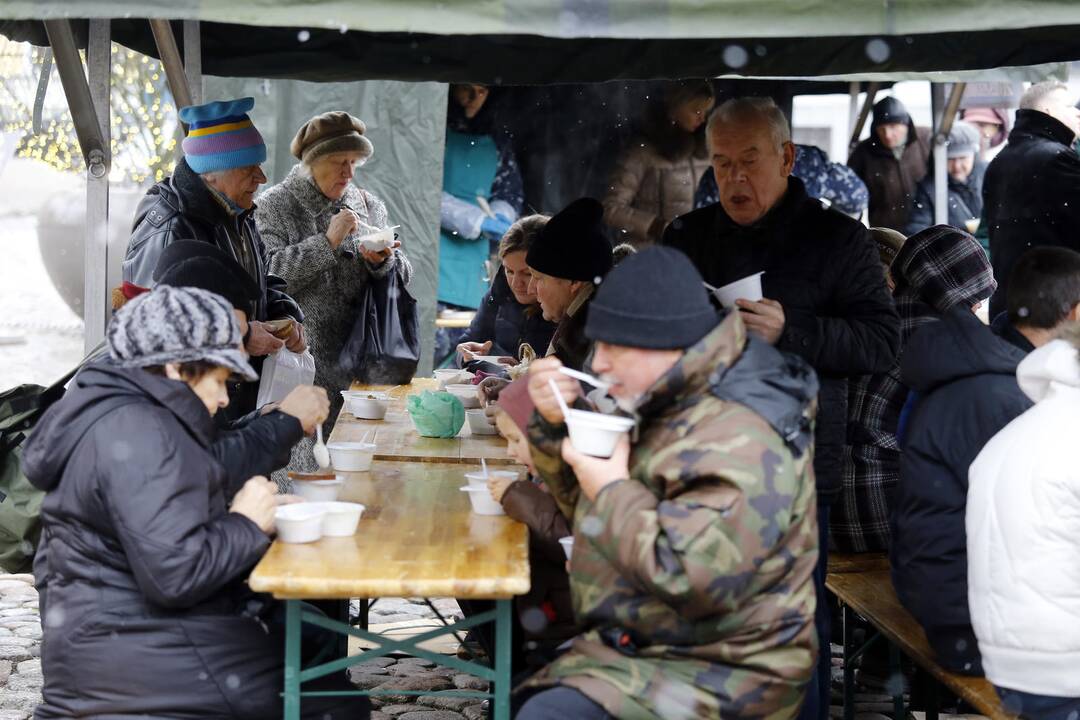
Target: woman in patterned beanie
312, 223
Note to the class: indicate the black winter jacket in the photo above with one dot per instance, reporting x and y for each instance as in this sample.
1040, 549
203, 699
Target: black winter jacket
141, 568
504, 321
1031, 195
963, 377
965, 201
823, 268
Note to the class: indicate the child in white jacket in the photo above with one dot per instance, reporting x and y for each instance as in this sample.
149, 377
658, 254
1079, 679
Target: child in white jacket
1023, 539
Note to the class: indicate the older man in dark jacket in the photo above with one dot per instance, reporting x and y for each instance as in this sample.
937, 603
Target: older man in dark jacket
825, 297
210, 197
1031, 189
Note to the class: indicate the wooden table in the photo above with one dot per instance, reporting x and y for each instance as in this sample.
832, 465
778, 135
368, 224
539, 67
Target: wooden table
417, 538
396, 438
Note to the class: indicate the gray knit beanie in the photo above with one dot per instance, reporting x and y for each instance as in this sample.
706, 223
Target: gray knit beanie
175, 325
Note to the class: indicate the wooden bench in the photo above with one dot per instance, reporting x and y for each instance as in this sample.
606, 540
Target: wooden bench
857, 562
871, 595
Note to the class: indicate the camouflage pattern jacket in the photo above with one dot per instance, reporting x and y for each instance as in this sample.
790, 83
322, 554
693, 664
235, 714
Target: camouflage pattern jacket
692, 579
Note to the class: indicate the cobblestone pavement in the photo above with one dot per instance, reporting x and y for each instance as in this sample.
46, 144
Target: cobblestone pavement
21, 679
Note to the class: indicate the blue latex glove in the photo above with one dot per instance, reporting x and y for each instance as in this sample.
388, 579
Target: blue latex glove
496, 226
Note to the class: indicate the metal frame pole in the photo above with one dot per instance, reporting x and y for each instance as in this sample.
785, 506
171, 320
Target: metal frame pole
193, 60
96, 251
868, 104
170, 60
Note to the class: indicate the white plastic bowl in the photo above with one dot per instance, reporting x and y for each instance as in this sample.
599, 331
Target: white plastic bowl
477, 479
596, 434
299, 522
467, 394
567, 545
482, 502
351, 456
479, 423
376, 241
366, 405
317, 490
747, 288
340, 518
451, 376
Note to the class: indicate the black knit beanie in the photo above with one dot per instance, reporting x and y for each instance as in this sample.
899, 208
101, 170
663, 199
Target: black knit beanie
573, 244
198, 264
654, 299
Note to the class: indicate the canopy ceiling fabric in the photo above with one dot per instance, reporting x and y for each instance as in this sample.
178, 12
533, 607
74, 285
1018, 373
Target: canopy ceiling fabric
554, 41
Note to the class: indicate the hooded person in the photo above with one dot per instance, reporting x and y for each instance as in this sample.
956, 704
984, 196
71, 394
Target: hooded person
210, 197
568, 259
965, 173
932, 272
700, 528
1022, 541
891, 162
142, 561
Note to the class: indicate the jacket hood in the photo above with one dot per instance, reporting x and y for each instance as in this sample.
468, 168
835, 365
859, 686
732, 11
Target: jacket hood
957, 347
733, 366
97, 390
1056, 363
942, 266
888, 110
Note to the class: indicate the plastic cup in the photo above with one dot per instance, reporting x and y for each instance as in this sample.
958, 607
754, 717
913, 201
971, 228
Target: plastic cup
477, 479
467, 394
366, 405
351, 456
317, 490
972, 225
482, 502
747, 288
377, 241
451, 376
299, 523
340, 518
567, 545
596, 434
479, 424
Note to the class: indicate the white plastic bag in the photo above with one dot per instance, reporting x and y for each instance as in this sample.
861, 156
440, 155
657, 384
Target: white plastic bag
283, 371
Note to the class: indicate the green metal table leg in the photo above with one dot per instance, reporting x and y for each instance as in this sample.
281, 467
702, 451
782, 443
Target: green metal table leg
292, 660
503, 642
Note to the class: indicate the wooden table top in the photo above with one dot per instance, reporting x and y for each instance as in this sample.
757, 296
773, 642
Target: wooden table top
418, 537
396, 438
871, 595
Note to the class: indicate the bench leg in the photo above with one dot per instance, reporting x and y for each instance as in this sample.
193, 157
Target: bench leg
895, 669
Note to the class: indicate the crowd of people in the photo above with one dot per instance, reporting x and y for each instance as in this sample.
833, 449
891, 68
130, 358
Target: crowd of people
858, 405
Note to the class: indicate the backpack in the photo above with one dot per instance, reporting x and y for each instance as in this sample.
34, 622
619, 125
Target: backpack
20, 502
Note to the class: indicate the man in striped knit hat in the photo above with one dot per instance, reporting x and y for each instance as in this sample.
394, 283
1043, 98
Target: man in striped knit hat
210, 197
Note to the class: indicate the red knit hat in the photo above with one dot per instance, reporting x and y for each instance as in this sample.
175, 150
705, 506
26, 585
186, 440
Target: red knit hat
514, 400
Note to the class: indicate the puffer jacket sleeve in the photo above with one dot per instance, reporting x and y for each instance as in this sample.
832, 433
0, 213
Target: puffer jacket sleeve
527, 503
699, 549
861, 335
623, 189
159, 505
256, 447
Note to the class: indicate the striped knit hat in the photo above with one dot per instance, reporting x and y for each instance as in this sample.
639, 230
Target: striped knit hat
221, 136
175, 325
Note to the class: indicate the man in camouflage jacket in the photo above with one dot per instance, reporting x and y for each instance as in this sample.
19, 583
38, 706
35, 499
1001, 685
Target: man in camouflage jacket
696, 543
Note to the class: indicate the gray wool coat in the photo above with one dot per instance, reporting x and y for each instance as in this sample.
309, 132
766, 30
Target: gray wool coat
292, 218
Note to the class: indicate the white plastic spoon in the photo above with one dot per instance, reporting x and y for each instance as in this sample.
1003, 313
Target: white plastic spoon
585, 377
320, 451
559, 398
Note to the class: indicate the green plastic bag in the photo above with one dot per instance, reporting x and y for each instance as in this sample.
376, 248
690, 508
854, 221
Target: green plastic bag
436, 414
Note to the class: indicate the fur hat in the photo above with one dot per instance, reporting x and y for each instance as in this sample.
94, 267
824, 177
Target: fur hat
221, 136
573, 244
335, 131
175, 325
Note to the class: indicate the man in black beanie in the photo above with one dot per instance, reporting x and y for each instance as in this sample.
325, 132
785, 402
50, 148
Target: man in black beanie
701, 528
568, 260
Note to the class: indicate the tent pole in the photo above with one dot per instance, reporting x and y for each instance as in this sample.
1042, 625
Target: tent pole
944, 114
70, 68
170, 60
193, 60
853, 107
868, 104
96, 269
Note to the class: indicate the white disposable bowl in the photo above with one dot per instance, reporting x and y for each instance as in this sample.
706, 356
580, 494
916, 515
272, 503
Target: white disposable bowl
567, 545
479, 423
747, 288
317, 490
450, 376
299, 522
340, 518
351, 456
376, 241
365, 405
477, 479
467, 394
482, 502
596, 434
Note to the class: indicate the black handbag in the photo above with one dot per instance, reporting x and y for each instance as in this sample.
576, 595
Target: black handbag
384, 346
